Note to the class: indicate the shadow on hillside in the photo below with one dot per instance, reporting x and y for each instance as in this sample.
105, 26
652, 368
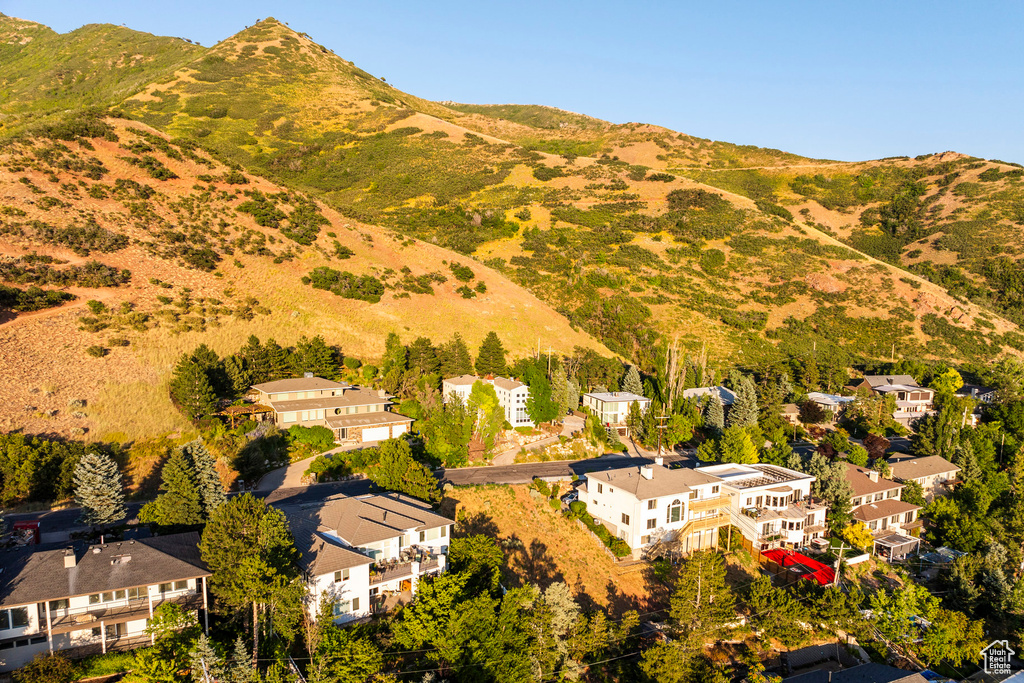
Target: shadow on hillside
467, 524
538, 565
620, 603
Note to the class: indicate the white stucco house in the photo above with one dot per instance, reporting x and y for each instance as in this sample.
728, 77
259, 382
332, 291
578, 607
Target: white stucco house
771, 505
653, 505
612, 407
365, 554
512, 395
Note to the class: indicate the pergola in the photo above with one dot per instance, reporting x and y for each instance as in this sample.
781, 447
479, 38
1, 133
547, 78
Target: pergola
234, 412
895, 546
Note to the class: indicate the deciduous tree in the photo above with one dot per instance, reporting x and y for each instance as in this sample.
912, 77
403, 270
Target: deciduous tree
396, 470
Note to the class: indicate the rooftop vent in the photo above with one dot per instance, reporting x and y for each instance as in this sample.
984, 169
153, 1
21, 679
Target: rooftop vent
96, 550
659, 460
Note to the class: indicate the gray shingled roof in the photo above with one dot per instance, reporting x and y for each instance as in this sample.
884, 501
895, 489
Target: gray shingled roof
354, 396
35, 575
663, 482
319, 554
368, 519
881, 380
864, 673
298, 384
915, 468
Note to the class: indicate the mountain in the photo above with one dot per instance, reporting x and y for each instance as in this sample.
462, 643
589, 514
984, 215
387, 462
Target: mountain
631, 234
165, 247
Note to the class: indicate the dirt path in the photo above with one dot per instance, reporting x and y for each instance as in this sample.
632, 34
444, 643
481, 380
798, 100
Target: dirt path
83, 294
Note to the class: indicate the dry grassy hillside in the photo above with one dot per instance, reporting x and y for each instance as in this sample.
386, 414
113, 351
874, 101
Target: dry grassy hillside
200, 271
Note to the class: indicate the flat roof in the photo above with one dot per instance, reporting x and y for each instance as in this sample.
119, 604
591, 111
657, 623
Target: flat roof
298, 384
614, 396
752, 476
366, 419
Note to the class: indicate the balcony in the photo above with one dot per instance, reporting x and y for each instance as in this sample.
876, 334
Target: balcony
401, 568
78, 618
113, 644
704, 504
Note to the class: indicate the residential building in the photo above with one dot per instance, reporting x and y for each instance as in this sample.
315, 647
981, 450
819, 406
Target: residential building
876, 503
771, 505
612, 407
727, 396
83, 600
934, 473
355, 414
790, 412
831, 402
912, 400
652, 505
512, 395
365, 554
977, 392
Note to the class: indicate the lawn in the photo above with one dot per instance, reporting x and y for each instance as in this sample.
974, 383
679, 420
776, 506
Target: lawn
542, 547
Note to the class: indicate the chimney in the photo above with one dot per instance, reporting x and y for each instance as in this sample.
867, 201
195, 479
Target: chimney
381, 393
69, 558
307, 375
647, 473
873, 475
658, 460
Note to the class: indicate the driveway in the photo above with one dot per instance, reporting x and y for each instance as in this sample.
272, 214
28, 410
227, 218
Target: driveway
290, 476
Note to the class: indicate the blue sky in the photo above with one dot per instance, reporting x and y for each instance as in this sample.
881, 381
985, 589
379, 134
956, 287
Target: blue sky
830, 80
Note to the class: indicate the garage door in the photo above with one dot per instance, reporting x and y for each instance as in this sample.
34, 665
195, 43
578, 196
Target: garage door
375, 434
399, 429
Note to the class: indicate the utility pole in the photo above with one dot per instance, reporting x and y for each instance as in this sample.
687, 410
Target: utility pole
839, 563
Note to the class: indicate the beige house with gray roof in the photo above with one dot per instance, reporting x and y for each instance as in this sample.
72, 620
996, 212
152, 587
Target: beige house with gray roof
355, 414
365, 554
934, 473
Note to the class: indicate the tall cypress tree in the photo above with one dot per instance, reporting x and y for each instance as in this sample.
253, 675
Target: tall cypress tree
560, 391
255, 359
491, 359
278, 361
455, 359
238, 374
395, 354
98, 490
207, 359
179, 503
208, 484
631, 382
191, 389
423, 355
313, 355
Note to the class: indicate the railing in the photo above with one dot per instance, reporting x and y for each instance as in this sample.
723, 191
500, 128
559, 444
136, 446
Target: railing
704, 504
71, 619
391, 573
116, 644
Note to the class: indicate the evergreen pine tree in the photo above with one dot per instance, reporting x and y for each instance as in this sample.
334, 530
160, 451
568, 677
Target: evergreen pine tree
313, 355
455, 358
98, 490
255, 360
242, 667
491, 359
205, 663
811, 377
631, 382
208, 484
635, 422
743, 412
423, 355
191, 389
207, 359
238, 375
395, 357
714, 413
278, 361
179, 504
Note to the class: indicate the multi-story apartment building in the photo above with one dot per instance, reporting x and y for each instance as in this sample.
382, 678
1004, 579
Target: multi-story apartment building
771, 505
83, 600
912, 400
354, 414
512, 395
934, 473
653, 505
365, 554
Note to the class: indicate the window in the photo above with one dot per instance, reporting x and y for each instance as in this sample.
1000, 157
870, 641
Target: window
444, 531
374, 592
878, 497
675, 512
288, 417
58, 604
611, 490
644, 540
340, 576
600, 488
693, 495
873, 526
355, 604
651, 523
423, 536
169, 587
749, 501
13, 618
343, 607
714, 489
759, 500
895, 518
856, 502
652, 504
909, 517
625, 518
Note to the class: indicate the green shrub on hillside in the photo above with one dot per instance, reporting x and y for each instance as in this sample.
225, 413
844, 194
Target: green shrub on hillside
345, 284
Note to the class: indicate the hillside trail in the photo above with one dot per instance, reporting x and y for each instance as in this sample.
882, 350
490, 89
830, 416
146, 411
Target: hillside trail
768, 168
